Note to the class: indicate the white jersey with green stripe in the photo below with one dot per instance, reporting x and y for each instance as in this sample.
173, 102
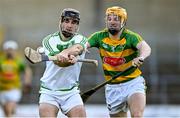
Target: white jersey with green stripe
57, 78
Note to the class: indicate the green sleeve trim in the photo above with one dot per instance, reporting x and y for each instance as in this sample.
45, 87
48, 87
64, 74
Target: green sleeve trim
47, 45
83, 42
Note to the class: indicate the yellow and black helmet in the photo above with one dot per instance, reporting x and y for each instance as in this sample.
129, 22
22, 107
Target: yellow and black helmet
119, 11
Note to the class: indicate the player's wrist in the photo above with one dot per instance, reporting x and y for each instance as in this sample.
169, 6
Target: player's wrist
141, 58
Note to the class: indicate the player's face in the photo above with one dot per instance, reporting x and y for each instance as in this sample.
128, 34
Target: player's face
10, 52
69, 26
113, 22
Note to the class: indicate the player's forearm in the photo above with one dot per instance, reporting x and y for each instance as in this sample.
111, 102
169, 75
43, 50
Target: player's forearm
65, 55
74, 50
144, 49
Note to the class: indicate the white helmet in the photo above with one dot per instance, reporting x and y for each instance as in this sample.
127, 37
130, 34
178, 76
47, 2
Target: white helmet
10, 45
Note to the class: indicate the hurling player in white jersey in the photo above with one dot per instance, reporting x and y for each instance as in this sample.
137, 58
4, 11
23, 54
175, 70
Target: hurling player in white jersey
59, 84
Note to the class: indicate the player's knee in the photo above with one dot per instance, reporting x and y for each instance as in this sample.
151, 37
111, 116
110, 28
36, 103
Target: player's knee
41, 108
77, 111
43, 111
137, 114
46, 112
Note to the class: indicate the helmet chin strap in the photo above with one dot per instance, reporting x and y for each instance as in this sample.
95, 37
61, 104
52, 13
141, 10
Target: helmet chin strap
67, 34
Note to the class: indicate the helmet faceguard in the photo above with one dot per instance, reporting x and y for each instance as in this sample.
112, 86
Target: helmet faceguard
67, 14
121, 13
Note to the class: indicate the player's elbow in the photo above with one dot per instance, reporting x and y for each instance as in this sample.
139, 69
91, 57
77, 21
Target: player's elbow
148, 50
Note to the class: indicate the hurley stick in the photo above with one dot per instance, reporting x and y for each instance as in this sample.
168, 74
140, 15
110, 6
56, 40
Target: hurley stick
35, 57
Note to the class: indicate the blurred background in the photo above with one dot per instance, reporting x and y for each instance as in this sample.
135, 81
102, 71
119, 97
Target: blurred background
157, 21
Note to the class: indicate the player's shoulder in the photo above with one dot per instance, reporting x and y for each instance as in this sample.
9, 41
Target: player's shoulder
50, 37
100, 34
130, 34
78, 36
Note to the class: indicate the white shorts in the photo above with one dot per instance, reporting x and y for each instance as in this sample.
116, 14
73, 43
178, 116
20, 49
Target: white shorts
118, 94
65, 100
13, 95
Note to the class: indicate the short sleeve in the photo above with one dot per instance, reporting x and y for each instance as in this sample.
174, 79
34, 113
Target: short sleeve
45, 44
135, 39
93, 40
50, 45
80, 39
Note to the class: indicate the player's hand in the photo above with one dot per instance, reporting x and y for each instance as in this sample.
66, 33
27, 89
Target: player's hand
62, 57
137, 61
72, 59
68, 62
